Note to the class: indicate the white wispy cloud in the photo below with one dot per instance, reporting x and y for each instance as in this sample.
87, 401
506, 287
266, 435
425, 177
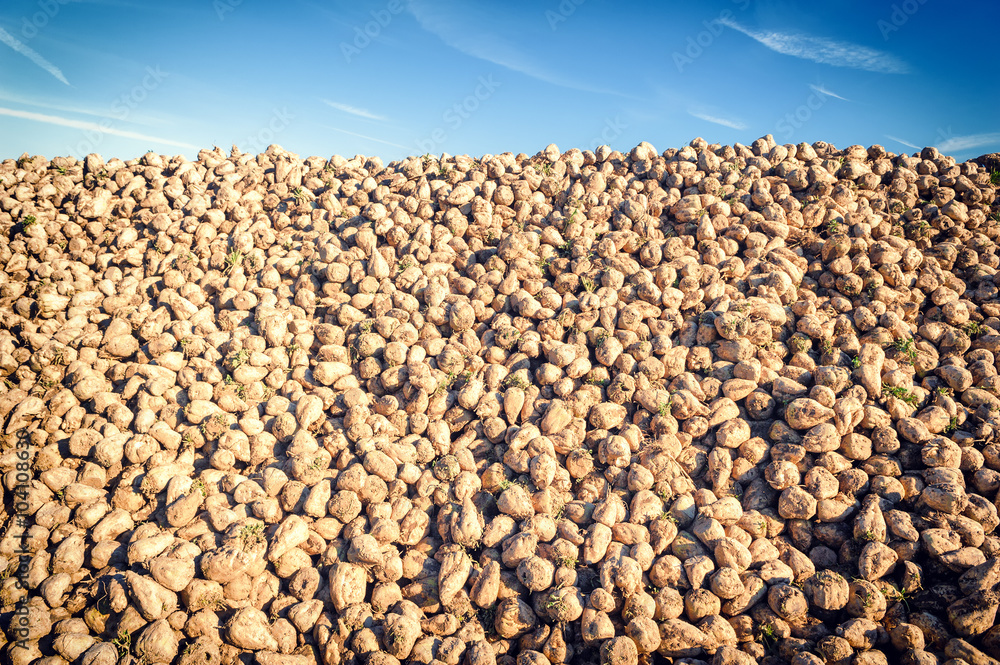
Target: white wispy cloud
725, 122
960, 143
363, 136
353, 110
91, 126
823, 50
17, 99
442, 19
30, 53
899, 140
823, 90
134, 118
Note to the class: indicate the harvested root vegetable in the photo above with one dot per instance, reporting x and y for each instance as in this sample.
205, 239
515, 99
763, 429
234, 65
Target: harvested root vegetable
728, 404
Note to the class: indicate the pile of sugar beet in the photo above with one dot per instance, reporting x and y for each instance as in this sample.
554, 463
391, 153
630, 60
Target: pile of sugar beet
721, 404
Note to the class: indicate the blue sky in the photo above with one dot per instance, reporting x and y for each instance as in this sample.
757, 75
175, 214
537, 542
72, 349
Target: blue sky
402, 77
